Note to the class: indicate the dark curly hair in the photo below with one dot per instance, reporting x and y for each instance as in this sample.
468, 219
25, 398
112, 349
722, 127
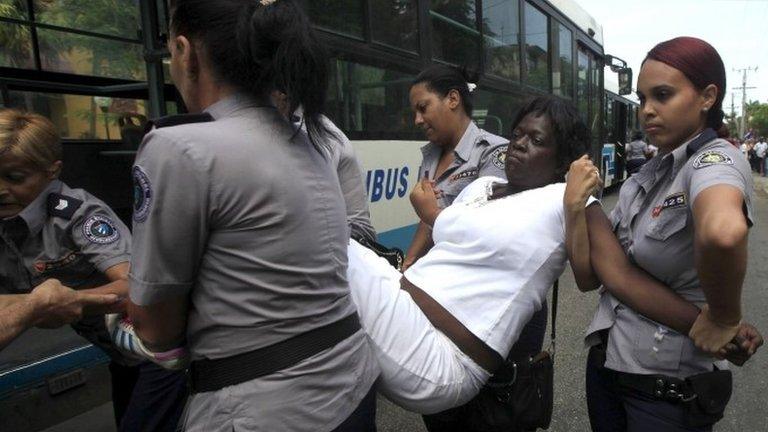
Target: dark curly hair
572, 136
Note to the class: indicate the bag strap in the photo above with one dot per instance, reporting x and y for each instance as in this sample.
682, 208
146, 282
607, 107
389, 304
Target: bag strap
554, 316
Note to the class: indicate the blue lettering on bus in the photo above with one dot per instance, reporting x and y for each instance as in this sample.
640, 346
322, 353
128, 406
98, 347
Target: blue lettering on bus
387, 184
403, 182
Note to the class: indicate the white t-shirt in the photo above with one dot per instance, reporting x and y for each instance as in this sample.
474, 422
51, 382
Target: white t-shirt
494, 261
760, 149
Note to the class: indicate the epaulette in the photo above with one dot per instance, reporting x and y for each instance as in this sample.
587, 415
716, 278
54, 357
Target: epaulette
179, 119
63, 206
706, 136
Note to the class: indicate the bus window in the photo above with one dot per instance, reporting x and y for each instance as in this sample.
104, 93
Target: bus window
495, 110
501, 30
536, 48
455, 37
582, 85
338, 16
396, 24
609, 126
562, 67
16, 46
369, 100
85, 55
596, 96
115, 18
82, 117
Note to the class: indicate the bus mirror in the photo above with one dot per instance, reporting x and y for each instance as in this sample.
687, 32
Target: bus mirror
625, 81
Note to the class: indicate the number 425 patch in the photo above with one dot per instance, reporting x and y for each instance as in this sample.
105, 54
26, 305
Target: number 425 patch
670, 202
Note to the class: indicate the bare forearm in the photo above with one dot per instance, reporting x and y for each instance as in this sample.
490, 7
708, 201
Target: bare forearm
161, 326
632, 286
118, 288
422, 242
577, 247
7, 300
16, 318
650, 298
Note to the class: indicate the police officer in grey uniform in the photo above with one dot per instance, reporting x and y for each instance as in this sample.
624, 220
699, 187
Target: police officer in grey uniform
342, 157
636, 153
239, 230
458, 151
351, 180
70, 235
643, 375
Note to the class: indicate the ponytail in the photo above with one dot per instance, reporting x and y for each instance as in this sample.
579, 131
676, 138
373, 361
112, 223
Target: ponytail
260, 46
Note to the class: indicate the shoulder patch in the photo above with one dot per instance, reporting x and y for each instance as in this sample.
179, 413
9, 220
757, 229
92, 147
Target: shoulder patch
499, 157
101, 230
712, 157
142, 194
63, 206
179, 119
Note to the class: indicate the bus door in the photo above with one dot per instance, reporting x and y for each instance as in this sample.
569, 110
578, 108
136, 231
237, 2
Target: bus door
622, 137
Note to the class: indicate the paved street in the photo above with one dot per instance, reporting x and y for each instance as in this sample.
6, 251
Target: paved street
747, 408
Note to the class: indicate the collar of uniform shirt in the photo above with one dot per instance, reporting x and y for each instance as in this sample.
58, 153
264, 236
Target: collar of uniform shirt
233, 103
467, 142
36, 212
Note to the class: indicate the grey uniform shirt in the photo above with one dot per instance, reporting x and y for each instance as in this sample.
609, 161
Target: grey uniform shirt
653, 221
478, 154
70, 235
245, 217
351, 181
636, 150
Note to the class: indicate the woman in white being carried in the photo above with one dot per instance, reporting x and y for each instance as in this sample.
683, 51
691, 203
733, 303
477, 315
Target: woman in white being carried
498, 249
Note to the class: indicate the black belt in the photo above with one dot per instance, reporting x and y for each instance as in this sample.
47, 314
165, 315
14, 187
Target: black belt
659, 387
210, 375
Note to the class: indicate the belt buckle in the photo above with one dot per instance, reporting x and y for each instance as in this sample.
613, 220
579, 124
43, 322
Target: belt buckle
670, 391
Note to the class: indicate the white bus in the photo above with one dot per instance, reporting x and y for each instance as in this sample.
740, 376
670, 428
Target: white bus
99, 78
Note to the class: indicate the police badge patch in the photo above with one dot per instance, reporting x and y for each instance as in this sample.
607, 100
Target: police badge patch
100, 229
499, 157
142, 195
712, 157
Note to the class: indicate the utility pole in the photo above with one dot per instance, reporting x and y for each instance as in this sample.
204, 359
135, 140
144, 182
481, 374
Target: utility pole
744, 88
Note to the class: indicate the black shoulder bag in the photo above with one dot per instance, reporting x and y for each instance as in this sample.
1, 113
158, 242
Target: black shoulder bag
519, 396
394, 256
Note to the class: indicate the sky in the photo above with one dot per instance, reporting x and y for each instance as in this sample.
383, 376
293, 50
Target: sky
738, 29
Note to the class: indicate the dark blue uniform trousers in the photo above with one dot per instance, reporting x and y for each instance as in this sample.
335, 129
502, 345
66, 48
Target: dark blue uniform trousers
612, 409
363, 418
147, 397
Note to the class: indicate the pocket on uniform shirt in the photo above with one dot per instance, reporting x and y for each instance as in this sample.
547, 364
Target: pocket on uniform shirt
657, 348
669, 223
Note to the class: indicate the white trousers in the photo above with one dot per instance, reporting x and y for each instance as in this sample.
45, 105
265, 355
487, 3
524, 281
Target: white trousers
422, 370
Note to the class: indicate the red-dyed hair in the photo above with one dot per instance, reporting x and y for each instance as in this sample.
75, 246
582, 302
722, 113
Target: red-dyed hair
701, 64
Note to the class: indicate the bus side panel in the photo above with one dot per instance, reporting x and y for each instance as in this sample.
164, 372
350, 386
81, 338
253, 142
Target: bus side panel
389, 170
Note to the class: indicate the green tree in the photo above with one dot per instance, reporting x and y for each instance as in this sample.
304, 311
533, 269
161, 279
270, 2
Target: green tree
758, 118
